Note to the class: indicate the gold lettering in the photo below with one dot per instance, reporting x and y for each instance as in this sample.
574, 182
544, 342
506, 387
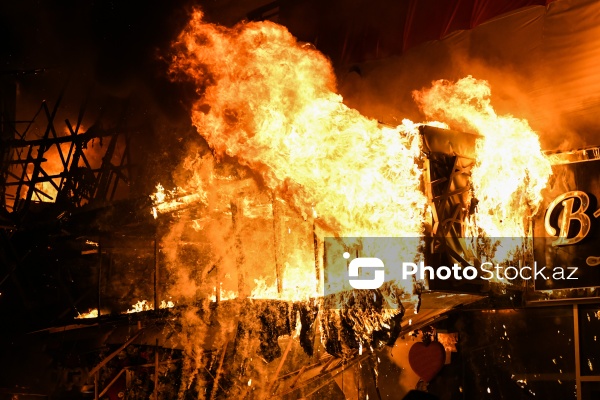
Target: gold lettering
567, 200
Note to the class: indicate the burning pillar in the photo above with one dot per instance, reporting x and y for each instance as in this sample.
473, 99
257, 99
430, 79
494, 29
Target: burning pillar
239, 251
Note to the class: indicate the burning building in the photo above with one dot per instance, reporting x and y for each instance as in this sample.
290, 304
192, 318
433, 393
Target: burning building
212, 218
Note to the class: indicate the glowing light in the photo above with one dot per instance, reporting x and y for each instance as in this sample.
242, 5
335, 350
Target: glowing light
510, 170
93, 313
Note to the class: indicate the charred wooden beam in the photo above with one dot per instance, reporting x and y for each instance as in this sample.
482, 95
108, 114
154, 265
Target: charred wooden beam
84, 138
113, 380
277, 242
114, 353
216, 386
235, 215
42, 147
280, 365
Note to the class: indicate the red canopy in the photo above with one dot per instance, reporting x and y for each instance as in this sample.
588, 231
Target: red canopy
372, 29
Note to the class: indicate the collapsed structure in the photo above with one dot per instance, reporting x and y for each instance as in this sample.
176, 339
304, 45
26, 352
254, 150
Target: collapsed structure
222, 287
236, 337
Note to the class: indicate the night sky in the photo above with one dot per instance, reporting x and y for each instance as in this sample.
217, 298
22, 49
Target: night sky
110, 49
108, 58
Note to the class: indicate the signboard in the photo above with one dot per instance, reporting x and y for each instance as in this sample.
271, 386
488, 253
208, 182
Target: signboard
567, 226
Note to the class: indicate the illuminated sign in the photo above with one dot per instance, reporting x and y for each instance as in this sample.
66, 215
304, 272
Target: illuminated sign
567, 227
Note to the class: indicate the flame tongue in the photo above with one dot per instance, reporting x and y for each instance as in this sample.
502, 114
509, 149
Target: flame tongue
510, 170
270, 102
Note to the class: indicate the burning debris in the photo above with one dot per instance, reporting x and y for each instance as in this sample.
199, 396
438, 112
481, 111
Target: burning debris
90, 314
270, 102
507, 179
243, 231
145, 305
290, 161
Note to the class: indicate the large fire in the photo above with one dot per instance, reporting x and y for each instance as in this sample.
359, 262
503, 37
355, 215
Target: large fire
145, 305
269, 102
510, 170
317, 168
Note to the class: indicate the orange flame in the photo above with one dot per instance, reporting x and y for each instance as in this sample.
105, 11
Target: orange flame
92, 313
510, 170
145, 305
270, 102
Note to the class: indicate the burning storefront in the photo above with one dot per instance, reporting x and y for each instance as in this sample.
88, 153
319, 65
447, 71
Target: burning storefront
214, 257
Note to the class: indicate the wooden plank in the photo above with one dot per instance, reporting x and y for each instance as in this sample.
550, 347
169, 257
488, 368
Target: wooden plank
96, 394
298, 376
283, 358
115, 353
103, 392
216, 386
